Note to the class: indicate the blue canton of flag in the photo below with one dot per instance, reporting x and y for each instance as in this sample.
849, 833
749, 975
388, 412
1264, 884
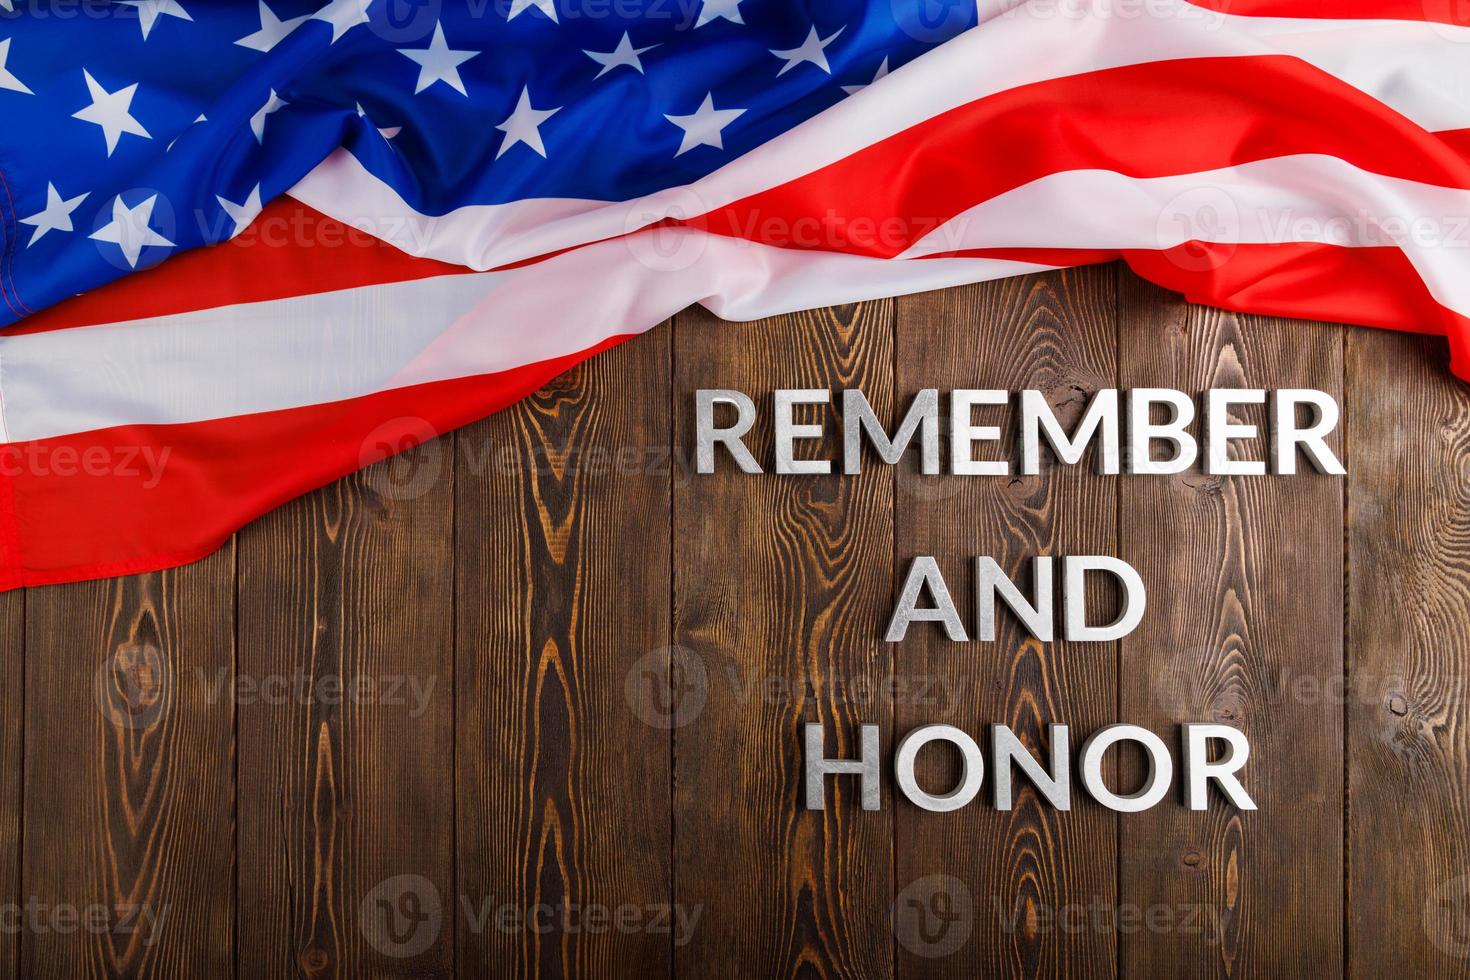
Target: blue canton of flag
137, 129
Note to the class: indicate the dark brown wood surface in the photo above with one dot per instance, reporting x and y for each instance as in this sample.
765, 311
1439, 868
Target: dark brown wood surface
1246, 631
1408, 634
527, 700
779, 595
1054, 333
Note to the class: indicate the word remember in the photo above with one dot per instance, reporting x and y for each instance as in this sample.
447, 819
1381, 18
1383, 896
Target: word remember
1299, 422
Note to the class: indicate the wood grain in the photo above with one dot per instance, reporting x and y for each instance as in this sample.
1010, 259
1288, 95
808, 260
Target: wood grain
1017, 868
562, 553
1244, 628
346, 789
129, 796
588, 670
12, 759
1409, 659
780, 585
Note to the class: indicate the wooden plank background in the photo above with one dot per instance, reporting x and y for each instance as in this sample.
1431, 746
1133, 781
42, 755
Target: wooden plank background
537, 664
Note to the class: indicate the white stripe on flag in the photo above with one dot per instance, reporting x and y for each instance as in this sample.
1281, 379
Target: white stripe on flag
1318, 199
290, 353
1419, 69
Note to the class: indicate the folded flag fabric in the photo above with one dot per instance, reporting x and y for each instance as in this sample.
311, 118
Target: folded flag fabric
305, 235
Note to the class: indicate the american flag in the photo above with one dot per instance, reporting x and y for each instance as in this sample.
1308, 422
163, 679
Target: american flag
289, 220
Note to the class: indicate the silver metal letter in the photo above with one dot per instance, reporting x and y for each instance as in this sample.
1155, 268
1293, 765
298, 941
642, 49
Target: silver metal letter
1143, 433
1160, 768
1037, 420
858, 417
972, 768
1135, 598
1286, 436
1198, 770
707, 434
989, 580
923, 572
964, 433
868, 768
1054, 786
1219, 430
787, 431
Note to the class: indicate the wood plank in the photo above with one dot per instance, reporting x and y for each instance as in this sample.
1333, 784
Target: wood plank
12, 750
1409, 647
1244, 629
346, 725
128, 776
780, 587
563, 601
1009, 874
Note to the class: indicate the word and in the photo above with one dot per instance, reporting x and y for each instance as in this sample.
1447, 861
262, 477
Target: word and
1037, 614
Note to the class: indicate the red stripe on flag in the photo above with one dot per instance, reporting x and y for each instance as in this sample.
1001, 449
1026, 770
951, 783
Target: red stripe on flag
1454, 12
140, 498
1375, 287
1458, 140
1372, 286
1150, 120
289, 250
1367, 286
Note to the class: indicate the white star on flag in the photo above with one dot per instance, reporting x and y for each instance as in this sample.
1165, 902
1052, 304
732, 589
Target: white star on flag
704, 126
518, 7
813, 50
439, 63
728, 9
623, 54
257, 122
55, 217
272, 31
882, 74
523, 126
7, 80
129, 229
242, 214
343, 15
112, 111
150, 10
